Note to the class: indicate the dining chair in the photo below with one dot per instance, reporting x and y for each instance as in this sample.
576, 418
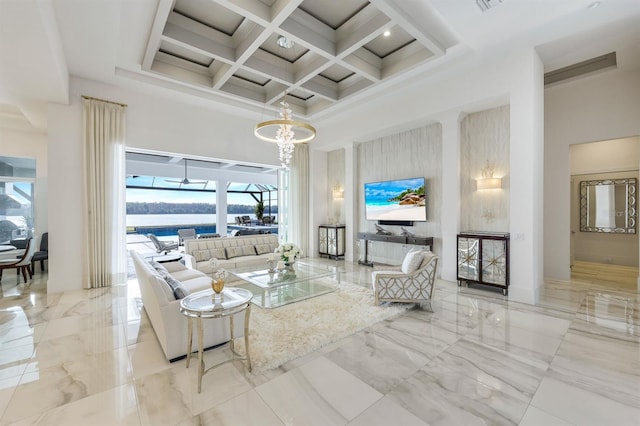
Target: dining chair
21, 263
42, 254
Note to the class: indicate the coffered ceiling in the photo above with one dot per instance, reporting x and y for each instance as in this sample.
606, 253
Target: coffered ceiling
224, 53
339, 48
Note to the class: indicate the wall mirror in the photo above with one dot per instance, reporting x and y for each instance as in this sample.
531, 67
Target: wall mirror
608, 205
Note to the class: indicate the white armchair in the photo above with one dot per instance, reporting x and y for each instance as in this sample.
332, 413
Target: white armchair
413, 282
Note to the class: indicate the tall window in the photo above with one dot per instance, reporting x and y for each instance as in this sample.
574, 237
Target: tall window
17, 189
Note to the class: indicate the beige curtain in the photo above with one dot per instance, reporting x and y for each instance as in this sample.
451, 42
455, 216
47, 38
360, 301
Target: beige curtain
298, 203
104, 144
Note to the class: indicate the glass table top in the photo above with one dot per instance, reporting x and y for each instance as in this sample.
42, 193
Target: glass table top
271, 290
203, 302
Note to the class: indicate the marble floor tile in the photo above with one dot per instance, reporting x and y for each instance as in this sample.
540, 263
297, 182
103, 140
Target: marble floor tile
582, 407
416, 334
380, 363
518, 376
7, 387
247, 409
452, 398
139, 330
600, 364
611, 315
530, 321
21, 335
147, 358
42, 389
171, 396
31, 299
318, 393
76, 324
516, 341
536, 417
115, 406
14, 317
102, 309
14, 360
386, 412
93, 341
571, 359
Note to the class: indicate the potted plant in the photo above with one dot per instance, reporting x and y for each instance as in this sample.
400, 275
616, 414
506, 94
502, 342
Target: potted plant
259, 211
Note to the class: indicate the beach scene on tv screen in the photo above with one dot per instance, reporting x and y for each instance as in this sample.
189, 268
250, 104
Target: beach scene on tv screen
395, 200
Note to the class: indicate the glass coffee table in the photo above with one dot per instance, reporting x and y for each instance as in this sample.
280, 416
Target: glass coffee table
279, 288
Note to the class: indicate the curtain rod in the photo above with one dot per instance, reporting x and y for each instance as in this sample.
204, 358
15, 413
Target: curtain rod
104, 100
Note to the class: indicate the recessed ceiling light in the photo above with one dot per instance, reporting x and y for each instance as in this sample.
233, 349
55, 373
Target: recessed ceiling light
593, 5
387, 33
285, 42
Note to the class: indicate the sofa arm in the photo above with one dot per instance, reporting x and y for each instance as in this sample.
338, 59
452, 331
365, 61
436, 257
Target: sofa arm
190, 261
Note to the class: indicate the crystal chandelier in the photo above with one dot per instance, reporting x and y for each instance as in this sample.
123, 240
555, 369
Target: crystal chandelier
287, 132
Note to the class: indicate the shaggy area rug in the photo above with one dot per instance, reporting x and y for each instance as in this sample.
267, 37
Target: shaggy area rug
281, 334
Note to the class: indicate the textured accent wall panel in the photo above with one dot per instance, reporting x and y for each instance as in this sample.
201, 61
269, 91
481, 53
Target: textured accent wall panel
414, 153
335, 176
484, 140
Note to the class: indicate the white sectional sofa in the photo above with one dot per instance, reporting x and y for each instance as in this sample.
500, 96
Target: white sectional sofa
231, 252
163, 309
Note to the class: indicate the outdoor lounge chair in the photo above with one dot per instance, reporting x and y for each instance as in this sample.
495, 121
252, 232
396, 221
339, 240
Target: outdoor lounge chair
186, 234
162, 246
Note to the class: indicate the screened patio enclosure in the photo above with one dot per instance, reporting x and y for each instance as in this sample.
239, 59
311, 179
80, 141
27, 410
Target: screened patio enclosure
170, 192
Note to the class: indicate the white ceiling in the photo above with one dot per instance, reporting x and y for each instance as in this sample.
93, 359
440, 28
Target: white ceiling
225, 51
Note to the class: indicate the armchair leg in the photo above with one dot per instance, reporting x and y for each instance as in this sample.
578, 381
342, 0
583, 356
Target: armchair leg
41, 267
24, 274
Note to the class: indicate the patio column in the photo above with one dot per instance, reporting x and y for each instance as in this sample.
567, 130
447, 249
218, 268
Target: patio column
221, 207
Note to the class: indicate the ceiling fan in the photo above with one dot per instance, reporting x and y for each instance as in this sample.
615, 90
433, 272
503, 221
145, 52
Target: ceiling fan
186, 180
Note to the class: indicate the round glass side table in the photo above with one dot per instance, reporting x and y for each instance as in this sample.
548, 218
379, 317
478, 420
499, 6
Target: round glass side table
207, 305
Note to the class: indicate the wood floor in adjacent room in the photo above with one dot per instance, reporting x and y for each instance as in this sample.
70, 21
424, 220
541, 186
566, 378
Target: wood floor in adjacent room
604, 272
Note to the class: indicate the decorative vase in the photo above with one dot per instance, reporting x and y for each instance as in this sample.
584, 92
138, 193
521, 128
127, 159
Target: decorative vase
217, 286
289, 265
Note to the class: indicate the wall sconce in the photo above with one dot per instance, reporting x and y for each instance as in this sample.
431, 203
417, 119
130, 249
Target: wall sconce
338, 192
487, 181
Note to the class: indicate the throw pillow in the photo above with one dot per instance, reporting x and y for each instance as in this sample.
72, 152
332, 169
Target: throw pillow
234, 252
248, 250
218, 253
158, 267
412, 261
263, 249
179, 290
201, 255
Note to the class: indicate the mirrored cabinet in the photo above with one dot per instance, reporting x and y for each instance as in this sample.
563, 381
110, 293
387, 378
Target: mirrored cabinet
483, 258
331, 241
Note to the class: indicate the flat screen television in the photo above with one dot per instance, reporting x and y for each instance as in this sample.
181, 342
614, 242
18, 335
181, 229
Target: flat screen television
391, 201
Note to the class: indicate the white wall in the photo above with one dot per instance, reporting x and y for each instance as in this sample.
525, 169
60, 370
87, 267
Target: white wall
154, 123
484, 141
601, 107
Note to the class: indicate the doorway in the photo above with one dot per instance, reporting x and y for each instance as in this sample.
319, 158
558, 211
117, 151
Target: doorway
604, 253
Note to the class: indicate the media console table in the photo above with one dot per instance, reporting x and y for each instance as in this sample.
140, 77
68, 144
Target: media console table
397, 239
